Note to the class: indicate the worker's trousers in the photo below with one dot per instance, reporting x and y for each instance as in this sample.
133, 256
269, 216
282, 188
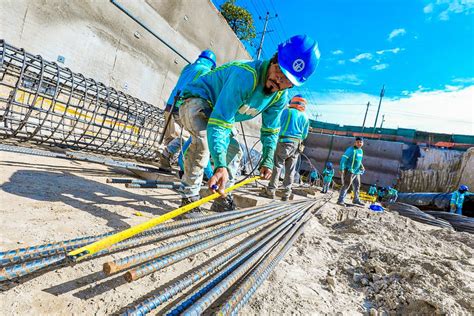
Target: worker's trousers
326, 186
286, 155
349, 179
173, 135
194, 120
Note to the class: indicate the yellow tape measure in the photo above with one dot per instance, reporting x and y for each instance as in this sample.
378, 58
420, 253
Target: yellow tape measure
86, 251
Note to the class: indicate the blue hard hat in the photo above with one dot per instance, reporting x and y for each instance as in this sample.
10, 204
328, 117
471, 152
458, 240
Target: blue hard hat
463, 188
329, 165
209, 54
298, 58
389, 188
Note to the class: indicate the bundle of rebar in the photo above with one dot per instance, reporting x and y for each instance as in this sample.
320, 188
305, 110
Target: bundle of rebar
266, 234
416, 214
45, 103
459, 222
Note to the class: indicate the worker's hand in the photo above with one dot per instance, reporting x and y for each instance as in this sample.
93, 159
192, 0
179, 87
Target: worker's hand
218, 181
265, 173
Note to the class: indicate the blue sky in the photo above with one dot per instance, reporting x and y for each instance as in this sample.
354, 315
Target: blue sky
423, 51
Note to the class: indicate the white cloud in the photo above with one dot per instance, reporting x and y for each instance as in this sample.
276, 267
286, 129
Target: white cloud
428, 8
360, 57
441, 111
348, 79
464, 80
380, 67
341, 62
337, 52
395, 50
395, 33
449, 7
451, 88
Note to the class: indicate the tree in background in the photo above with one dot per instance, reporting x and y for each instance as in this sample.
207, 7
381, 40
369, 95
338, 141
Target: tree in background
239, 19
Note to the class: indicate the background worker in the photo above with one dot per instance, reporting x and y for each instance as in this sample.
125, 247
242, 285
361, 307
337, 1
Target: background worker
313, 177
328, 173
205, 62
294, 126
351, 168
457, 200
235, 92
372, 190
391, 195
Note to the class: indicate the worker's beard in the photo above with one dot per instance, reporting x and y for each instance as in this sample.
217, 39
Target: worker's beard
267, 90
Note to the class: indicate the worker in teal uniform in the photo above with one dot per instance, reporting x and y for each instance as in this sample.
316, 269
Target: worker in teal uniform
294, 126
205, 62
372, 190
351, 168
457, 199
236, 92
328, 174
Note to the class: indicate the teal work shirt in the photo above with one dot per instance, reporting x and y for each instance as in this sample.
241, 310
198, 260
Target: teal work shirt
372, 190
392, 193
234, 92
189, 73
294, 125
328, 174
351, 160
457, 198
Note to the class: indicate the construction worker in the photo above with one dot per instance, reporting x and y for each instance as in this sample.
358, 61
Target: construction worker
235, 92
351, 168
328, 173
457, 199
207, 170
313, 176
381, 192
205, 62
372, 190
391, 195
294, 126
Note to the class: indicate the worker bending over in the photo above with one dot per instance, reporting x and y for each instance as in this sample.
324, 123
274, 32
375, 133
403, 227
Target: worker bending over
372, 190
457, 199
351, 168
235, 92
205, 63
294, 126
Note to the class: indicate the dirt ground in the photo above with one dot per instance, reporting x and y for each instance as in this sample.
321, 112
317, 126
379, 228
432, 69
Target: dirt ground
349, 260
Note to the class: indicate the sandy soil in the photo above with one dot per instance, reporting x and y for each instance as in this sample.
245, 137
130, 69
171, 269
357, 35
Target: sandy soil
348, 261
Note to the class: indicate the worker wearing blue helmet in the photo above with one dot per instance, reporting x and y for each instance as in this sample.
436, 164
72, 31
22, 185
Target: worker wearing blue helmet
328, 174
457, 199
205, 62
236, 92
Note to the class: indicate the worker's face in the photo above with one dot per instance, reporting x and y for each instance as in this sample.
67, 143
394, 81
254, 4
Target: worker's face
359, 143
276, 80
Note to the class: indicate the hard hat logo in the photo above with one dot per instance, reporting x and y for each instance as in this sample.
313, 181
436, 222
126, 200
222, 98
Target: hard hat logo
298, 65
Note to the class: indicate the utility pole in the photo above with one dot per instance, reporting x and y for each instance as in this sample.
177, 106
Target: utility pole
382, 93
383, 120
365, 116
260, 46
317, 115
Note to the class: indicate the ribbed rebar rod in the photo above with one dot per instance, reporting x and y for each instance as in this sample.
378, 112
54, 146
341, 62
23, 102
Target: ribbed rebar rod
253, 254
127, 262
211, 296
180, 285
45, 103
19, 270
166, 230
250, 284
165, 261
172, 185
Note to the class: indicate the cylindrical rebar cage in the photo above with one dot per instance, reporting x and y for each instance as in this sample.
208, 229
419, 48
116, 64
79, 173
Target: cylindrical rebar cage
45, 103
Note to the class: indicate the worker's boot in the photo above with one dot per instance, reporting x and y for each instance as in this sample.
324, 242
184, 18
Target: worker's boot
287, 197
267, 194
222, 204
341, 203
358, 202
195, 212
165, 162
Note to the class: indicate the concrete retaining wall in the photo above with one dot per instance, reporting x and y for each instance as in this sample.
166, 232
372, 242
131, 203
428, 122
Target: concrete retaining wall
100, 41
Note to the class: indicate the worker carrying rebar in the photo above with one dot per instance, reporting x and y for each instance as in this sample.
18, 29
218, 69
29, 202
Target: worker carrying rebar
205, 62
372, 190
351, 168
235, 92
457, 200
328, 174
294, 126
